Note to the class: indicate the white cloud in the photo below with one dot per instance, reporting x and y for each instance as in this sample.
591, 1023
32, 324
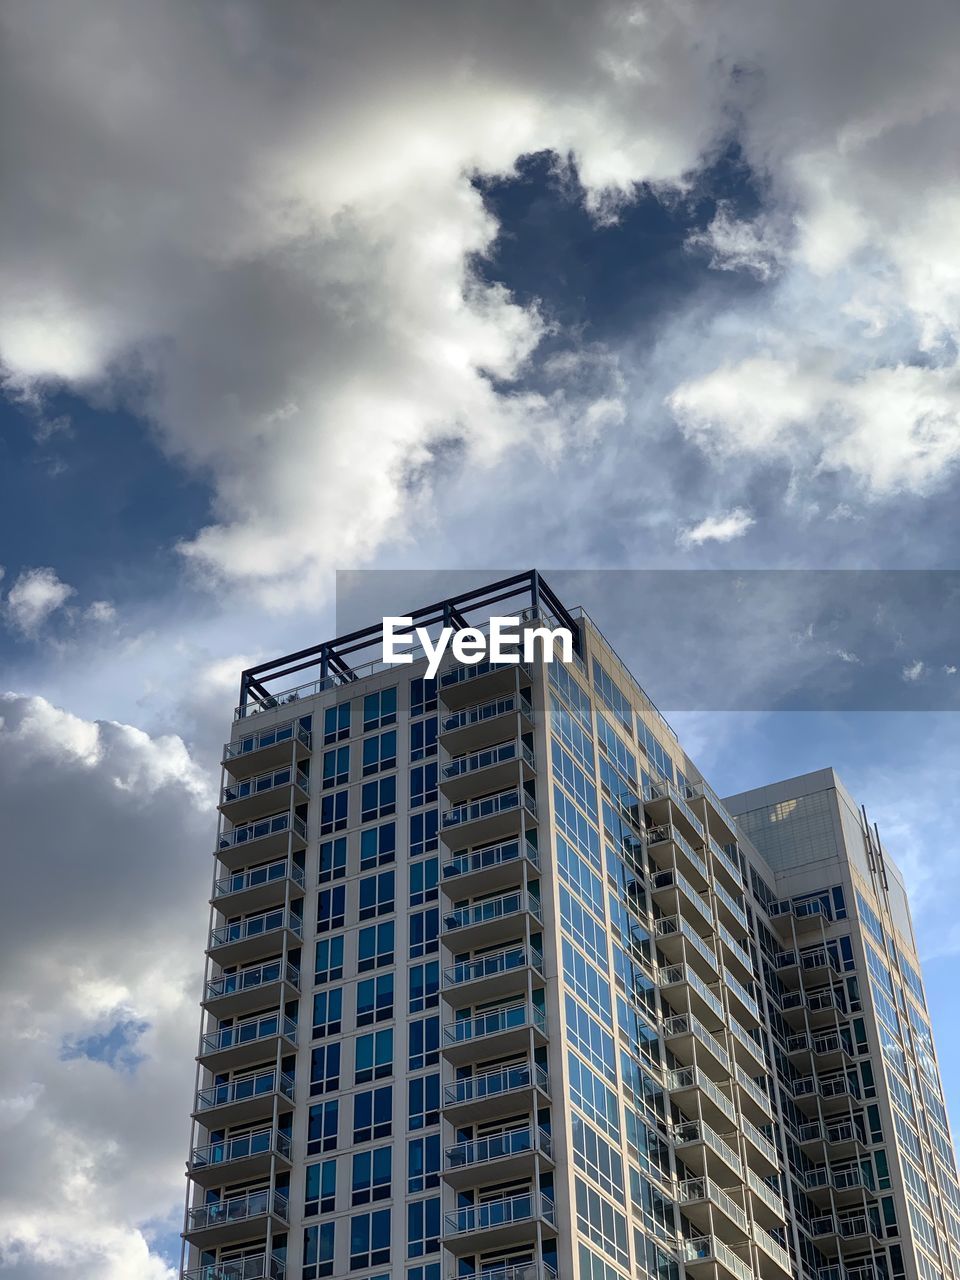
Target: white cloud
100, 611
913, 671
35, 596
757, 246
734, 524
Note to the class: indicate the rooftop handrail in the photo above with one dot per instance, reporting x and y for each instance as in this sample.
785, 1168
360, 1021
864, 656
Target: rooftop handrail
262, 1027
282, 869
277, 733
269, 781
253, 926
242, 1087
263, 827
258, 975
492, 855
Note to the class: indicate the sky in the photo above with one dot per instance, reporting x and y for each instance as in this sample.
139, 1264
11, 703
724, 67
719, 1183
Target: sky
293, 288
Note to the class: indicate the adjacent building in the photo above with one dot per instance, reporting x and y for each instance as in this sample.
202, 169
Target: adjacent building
498, 987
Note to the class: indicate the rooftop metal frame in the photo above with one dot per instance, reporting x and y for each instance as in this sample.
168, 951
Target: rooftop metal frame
458, 611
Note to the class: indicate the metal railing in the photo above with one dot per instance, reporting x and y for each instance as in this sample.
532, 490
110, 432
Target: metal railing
497, 1146
278, 733
255, 1204
708, 1249
263, 1027
693, 1077
247, 787
734, 907
512, 1271
491, 1021
462, 674
490, 1214
491, 1084
486, 711
674, 879
668, 926
693, 1189
245, 1087
753, 1090
277, 871
738, 949
683, 1024
686, 1132
259, 975
488, 807
257, 1267
258, 1143
492, 855
254, 926
508, 904
492, 963
667, 831
503, 753
670, 975
263, 827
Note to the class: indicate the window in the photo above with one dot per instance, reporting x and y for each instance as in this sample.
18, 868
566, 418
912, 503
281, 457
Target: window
423, 1163
600, 1222
423, 785
322, 1124
336, 723
333, 812
424, 1043
423, 1227
336, 767
584, 980
373, 1114
583, 928
624, 760
329, 959
380, 752
423, 738
330, 909
592, 1096
378, 799
370, 1238
375, 1000
380, 709
327, 1012
377, 895
318, 1250
598, 1160
324, 1069
321, 1192
374, 1056
333, 859
423, 696
423, 1102
424, 986
612, 695
371, 1175
655, 753
375, 946
378, 846
574, 780
590, 1039
424, 879
567, 687
429, 1272
424, 829
424, 932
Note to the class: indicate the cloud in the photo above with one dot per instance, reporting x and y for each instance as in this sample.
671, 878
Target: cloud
723, 528
100, 611
35, 596
756, 246
912, 673
98, 991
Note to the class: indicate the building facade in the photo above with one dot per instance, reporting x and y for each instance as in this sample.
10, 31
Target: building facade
498, 987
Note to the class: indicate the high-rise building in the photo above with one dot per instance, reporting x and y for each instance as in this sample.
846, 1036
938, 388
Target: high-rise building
498, 987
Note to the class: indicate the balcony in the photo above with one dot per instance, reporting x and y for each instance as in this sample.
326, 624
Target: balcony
705, 1151
837, 1093
825, 1006
668, 848
494, 866
723, 862
679, 942
774, 1251
755, 1101
826, 1049
247, 798
537, 1270
760, 1150
498, 1224
233, 994
708, 1255
768, 1207
491, 920
489, 819
739, 953
271, 837
666, 804
257, 888
485, 724
699, 1098
730, 909
249, 1155
225, 1222
496, 1092
493, 975
243, 1044
803, 917
269, 749
257, 1267
494, 1033
680, 983
498, 1157
675, 895
688, 1038
461, 685
255, 937
741, 1001
504, 765
244, 1100
743, 1047
838, 1137
711, 1210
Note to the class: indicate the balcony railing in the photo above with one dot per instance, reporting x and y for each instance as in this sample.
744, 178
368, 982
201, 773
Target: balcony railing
260, 1142
248, 787
254, 926
708, 1248
492, 963
492, 1021
264, 1027
488, 807
497, 1146
486, 711
491, 1084
255, 1204
671, 975
742, 994
263, 827
512, 1271
244, 1087
494, 855
753, 1090
669, 926
674, 879
686, 1132
694, 1189
283, 869
667, 831
491, 1214
509, 904
686, 1024
257, 1267
277, 734
259, 975
734, 907
693, 1077
501, 754
766, 1193
726, 861
463, 674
